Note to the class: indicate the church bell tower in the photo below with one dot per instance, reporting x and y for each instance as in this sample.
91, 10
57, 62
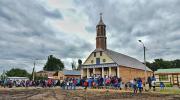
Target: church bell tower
101, 35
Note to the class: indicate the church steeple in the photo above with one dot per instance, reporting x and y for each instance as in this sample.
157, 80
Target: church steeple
101, 34
101, 21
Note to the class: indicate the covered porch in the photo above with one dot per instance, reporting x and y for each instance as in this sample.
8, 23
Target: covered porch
105, 70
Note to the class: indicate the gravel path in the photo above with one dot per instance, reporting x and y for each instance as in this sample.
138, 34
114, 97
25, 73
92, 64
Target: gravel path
57, 94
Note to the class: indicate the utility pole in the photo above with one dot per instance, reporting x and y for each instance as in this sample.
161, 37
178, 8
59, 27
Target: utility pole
33, 73
144, 60
34, 69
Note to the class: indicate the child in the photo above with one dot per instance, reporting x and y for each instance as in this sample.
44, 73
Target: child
126, 86
63, 84
162, 85
85, 85
135, 86
94, 84
154, 85
67, 84
140, 85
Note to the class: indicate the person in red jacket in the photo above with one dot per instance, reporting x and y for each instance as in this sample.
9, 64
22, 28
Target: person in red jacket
49, 82
85, 84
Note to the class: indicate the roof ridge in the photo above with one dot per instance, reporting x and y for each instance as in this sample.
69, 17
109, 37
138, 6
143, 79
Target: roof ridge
122, 54
125, 60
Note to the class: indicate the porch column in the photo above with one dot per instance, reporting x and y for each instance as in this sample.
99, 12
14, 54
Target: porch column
87, 72
109, 71
118, 74
94, 71
102, 73
82, 73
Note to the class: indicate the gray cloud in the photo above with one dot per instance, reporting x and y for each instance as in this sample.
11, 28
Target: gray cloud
155, 22
26, 35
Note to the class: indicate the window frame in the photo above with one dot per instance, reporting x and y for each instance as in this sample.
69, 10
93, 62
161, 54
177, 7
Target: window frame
92, 61
100, 53
98, 61
104, 60
94, 54
163, 77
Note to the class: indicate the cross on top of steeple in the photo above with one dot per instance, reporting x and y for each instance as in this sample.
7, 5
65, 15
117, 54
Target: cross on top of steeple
101, 21
100, 16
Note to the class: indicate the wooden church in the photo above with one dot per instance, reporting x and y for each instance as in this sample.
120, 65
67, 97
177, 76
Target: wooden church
107, 63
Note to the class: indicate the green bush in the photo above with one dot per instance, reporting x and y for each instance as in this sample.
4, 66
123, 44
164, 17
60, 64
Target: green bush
168, 85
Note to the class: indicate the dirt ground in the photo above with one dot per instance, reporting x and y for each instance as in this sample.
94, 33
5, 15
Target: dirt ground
90, 94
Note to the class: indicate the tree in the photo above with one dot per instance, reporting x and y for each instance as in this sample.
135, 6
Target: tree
79, 64
176, 63
163, 64
53, 64
3, 76
73, 65
16, 72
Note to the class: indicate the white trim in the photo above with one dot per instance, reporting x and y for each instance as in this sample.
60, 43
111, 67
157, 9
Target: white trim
100, 66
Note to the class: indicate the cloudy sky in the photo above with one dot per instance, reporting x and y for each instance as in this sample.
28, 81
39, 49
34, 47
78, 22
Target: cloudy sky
34, 29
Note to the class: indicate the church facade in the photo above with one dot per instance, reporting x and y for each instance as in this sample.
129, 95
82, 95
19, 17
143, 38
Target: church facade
106, 63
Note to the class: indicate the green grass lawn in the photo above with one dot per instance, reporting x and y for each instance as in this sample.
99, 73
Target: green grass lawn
169, 90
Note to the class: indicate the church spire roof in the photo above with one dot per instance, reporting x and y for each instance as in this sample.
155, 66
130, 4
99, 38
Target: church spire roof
101, 21
101, 34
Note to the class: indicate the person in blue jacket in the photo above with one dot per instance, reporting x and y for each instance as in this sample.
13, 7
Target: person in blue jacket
89, 82
140, 85
162, 85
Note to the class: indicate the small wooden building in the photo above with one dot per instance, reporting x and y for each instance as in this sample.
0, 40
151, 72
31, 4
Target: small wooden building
18, 78
67, 74
171, 76
59, 75
43, 73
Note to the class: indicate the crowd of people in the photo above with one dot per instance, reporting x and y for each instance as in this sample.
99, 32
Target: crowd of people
28, 83
137, 84
108, 82
93, 82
